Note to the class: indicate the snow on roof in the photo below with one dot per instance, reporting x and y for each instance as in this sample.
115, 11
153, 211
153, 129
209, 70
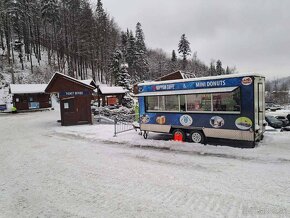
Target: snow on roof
89, 81
112, 90
187, 75
27, 88
71, 78
202, 78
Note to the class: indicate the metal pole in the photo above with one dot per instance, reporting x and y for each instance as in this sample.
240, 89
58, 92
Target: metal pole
115, 127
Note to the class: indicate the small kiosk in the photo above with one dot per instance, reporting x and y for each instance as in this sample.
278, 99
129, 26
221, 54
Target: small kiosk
75, 99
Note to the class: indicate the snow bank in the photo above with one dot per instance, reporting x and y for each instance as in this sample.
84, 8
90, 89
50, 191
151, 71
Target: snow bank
275, 146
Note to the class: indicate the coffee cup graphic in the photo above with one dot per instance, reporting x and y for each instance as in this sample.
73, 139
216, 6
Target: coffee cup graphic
161, 120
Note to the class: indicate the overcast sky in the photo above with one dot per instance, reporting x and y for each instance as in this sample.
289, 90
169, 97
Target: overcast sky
253, 35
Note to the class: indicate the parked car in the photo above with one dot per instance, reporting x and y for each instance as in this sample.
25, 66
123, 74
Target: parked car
273, 122
283, 119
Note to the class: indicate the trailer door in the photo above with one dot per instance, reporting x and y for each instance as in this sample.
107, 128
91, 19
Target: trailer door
261, 91
259, 105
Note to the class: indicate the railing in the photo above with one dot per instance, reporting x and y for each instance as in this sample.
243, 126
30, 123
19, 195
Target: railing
124, 119
124, 123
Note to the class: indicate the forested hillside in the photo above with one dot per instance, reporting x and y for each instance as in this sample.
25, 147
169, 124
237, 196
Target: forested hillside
40, 37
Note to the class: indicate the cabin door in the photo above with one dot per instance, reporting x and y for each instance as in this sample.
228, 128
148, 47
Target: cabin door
83, 110
68, 111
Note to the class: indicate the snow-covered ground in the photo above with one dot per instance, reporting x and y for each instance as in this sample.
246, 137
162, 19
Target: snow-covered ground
83, 171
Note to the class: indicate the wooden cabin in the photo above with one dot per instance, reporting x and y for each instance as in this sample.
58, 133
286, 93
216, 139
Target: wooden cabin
75, 99
110, 95
30, 96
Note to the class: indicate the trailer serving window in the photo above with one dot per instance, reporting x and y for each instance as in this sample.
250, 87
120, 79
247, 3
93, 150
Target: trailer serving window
198, 102
224, 102
228, 101
162, 103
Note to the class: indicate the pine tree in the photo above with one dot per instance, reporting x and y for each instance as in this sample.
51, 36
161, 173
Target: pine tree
184, 50
124, 77
131, 53
49, 11
173, 62
125, 81
140, 43
101, 39
228, 70
50, 15
173, 56
124, 44
219, 68
141, 63
212, 70
115, 65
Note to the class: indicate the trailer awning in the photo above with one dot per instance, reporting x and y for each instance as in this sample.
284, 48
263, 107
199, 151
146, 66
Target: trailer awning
188, 91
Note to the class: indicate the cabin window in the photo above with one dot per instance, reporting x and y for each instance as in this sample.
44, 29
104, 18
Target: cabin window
68, 105
198, 102
229, 101
33, 105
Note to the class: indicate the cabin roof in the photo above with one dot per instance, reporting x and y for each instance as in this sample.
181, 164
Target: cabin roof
104, 89
27, 88
68, 78
90, 82
175, 75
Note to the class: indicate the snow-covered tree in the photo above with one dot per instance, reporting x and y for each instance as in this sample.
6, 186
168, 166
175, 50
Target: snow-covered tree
141, 62
124, 77
125, 81
115, 65
124, 44
140, 39
131, 53
184, 49
49, 11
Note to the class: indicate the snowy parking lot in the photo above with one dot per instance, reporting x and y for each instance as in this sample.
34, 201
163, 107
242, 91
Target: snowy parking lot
83, 171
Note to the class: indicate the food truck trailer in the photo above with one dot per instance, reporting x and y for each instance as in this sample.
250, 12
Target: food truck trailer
225, 107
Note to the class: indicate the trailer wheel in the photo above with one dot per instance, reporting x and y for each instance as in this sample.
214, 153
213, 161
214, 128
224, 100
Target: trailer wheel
178, 135
197, 137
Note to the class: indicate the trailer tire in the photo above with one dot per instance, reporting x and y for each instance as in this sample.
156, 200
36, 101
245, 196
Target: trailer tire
197, 137
178, 132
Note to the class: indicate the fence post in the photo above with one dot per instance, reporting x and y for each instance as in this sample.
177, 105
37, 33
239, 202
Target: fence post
115, 127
